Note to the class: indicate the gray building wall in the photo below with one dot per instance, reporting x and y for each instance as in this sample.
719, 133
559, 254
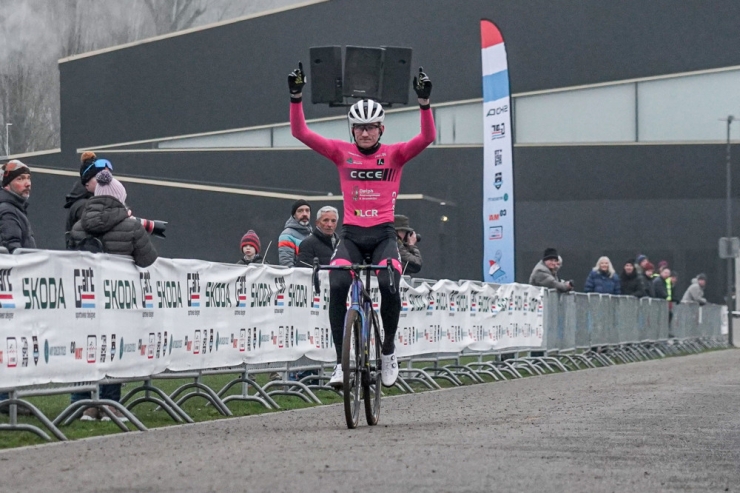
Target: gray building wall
666, 201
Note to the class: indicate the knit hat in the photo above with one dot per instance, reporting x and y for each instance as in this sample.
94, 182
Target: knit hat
701, 277
251, 238
297, 204
12, 170
107, 185
401, 223
91, 166
640, 258
550, 253
649, 266
661, 264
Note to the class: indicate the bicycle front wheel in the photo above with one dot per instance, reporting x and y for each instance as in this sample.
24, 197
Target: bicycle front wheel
351, 356
371, 383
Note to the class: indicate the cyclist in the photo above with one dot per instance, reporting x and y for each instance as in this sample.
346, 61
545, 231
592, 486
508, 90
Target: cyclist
369, 174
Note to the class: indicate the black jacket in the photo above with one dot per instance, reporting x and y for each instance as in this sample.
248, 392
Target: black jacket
410, 257
318, 245
15, 228
661, 290
107, 219
632, 284
75, 201
647, 282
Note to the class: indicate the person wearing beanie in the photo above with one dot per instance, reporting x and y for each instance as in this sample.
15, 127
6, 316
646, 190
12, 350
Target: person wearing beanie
15, 228
545, 273
106, 217
297, 228
640, 262
647, 278
695, 293
631, 281
250, 247
82, 190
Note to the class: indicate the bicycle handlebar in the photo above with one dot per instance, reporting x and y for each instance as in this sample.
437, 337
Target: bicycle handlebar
354, 268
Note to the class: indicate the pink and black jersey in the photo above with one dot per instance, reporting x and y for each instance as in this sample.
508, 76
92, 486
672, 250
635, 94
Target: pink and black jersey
369, 182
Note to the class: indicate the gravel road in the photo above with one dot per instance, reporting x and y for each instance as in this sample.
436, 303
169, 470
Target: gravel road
668, 425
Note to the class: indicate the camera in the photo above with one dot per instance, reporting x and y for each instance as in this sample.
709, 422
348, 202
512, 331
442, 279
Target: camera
152, 226
418, 236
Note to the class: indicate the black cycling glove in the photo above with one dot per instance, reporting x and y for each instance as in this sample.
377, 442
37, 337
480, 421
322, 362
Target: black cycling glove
296, 80
422, 85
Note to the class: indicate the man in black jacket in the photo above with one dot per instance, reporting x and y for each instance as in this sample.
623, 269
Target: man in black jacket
83, 190
322, 242
15, 228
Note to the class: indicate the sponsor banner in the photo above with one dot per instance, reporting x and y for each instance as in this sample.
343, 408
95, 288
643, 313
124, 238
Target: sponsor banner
498, 173
74, 316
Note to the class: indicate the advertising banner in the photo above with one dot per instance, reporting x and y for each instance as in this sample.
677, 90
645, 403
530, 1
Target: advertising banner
70, 317
498, 172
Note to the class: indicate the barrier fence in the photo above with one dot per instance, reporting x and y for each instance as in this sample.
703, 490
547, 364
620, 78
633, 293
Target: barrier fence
71, 317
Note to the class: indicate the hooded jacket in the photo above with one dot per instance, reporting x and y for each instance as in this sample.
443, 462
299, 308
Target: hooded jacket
318, 244
695, 293
75, 201
15, 228
107, 219
544, 277
290, 241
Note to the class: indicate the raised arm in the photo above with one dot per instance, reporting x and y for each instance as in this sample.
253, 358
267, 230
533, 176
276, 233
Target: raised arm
298, 127
423, 89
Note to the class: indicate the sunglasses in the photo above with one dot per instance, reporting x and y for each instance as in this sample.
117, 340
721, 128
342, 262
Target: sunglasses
368, 127
100, 164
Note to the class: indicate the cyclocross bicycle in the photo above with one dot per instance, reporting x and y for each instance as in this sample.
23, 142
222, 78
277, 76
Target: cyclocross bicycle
361, 344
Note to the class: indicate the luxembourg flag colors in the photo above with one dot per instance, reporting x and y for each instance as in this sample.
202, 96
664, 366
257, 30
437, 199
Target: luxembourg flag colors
498, 173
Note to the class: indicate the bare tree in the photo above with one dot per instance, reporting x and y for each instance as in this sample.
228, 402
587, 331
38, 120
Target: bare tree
35, 34
174, 15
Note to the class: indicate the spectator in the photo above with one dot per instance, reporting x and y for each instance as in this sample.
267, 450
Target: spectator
631, 282
674, 286
322, 242
15, 228
647, 279
83, 190
106, 217
407, 240
695, 293
545, 273
640, 263
661, 264
662, 284
251, 248
297, 227
603, 279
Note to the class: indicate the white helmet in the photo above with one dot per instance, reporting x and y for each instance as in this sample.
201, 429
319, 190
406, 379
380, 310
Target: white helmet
366, 111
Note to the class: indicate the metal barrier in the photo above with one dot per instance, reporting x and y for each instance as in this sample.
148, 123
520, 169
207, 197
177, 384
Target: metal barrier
580, 331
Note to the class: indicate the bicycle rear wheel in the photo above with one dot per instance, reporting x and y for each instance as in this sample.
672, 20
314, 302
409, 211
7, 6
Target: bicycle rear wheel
351, 357
371, 383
